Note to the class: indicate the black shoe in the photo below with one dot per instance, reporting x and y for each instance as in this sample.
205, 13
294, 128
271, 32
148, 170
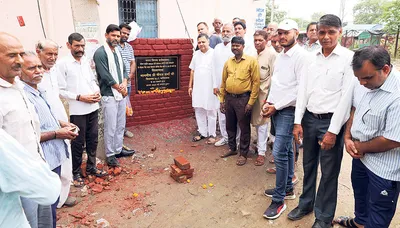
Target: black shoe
321, 224
297, 214
275, 210
125, 153
289, 195
112, 161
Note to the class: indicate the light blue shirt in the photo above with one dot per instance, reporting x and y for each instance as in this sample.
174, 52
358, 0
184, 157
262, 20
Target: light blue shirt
22, 175
377, 114
55, 150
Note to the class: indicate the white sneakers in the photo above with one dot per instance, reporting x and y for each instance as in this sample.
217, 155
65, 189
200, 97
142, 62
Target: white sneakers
221, 142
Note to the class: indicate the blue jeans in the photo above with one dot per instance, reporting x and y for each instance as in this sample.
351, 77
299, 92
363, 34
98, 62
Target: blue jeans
283, 153
375, 197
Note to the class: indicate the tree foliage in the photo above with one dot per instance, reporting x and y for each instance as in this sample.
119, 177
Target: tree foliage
279, 15
368, 11
391, 16
316, 16
302, 23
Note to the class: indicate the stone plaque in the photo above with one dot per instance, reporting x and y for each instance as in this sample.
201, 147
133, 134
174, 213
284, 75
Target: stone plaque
160, 72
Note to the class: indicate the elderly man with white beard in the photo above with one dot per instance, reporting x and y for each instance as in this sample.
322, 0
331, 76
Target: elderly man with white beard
222, 53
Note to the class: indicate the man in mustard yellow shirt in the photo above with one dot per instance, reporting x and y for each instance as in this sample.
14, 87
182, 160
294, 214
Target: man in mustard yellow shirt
238, 93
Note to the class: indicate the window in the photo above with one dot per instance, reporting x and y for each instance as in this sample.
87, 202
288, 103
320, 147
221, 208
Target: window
144, 12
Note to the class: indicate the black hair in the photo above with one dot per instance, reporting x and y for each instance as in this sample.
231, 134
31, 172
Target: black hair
112, 28
262, 33
240, 23
202, 23
235, 18
377, 55
266, 26
237, 40
74, 37
312, 23
123, 25
203, 35
330, 20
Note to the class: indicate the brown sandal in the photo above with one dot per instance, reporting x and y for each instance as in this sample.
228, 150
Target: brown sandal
260, 160
241, 161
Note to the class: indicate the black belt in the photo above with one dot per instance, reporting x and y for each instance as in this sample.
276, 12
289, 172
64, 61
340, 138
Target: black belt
322, 116
290, 108
238, 95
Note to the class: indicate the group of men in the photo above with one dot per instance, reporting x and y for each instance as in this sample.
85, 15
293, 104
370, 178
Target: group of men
41, 147
308, 93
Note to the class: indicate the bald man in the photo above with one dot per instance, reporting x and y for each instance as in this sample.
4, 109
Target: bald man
19, 119
217, 24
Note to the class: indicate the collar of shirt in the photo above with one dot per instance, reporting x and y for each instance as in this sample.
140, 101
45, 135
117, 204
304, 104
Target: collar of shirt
30, 89
6, 84
292, 50
338, 50
244, 57
389, 85
71, 59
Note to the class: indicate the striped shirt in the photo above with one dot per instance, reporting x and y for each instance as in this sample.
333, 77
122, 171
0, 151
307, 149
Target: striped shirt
55, 150
377, 114
128, 55
313, 47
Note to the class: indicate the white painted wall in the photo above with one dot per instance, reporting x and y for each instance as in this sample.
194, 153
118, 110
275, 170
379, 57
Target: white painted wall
56, 14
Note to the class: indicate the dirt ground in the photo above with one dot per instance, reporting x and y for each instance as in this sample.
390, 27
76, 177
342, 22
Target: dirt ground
144, 195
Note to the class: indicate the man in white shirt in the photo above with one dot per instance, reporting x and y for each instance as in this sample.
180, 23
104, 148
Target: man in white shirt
240, 30
21, 175
222, 53
47, 51
290, 67
312, 44
319, 94
17, 115
78, 86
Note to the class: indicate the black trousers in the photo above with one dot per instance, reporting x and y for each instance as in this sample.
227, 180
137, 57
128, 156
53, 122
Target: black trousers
324, 201
234, 113
89, 126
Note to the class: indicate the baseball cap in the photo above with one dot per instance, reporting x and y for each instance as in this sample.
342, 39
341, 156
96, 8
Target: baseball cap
288, 24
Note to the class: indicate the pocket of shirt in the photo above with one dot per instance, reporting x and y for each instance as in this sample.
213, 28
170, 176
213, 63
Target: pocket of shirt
333, 81
374, 119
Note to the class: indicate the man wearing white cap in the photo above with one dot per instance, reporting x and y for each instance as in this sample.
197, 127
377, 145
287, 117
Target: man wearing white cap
290, 67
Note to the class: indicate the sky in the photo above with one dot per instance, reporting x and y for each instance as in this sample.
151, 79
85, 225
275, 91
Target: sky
305, 8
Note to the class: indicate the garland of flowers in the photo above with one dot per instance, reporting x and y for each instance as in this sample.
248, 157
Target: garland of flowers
156, 91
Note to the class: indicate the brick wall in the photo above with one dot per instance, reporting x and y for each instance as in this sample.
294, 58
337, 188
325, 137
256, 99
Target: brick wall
154, 108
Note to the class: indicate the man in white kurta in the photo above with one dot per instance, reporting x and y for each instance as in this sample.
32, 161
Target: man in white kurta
47, 51
204, 102
222, 52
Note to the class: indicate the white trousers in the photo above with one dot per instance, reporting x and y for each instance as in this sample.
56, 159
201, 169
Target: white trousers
65, 177
206, 121
262, 138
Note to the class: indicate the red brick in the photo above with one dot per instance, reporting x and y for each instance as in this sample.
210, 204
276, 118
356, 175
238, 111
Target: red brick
180, 179
185, 51
159, 41
152, 52
182, 163
135, 42
142, 47
142, 41
186, 58
182, 41
160, 52
174, 41
97, 188
167, 41
117, 171
141, 52
174, 46
151, 41
160, 46
187, 46
171, 52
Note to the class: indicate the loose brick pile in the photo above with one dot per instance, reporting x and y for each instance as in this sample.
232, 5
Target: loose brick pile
181, 170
